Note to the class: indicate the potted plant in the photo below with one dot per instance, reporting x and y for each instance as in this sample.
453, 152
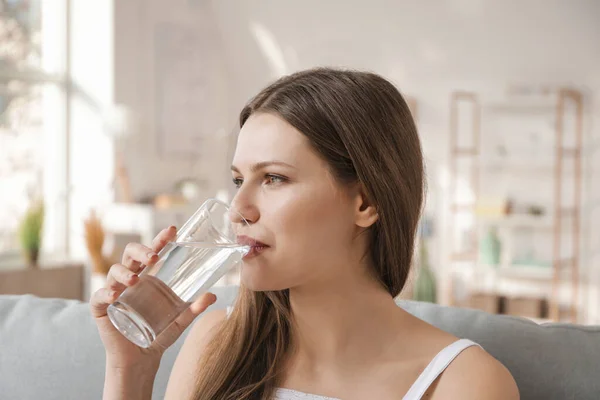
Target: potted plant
30, 233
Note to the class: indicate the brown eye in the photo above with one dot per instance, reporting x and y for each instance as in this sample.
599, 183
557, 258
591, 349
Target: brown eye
237, 182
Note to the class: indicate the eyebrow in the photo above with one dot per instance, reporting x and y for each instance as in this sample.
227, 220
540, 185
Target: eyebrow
263, 164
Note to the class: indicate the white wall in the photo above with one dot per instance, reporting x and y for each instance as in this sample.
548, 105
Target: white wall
141, 82
428, 49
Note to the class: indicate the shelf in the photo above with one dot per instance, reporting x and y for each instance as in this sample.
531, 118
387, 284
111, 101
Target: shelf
529, 160
507, 167
541, 272
527, 221
517, 221
518, 169
539, 106
512, 282
530, 273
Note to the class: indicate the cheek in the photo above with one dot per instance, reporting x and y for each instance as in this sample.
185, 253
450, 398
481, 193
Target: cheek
311, 231
311, 227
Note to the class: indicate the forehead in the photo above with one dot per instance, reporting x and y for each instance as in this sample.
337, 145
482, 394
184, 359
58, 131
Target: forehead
267, 137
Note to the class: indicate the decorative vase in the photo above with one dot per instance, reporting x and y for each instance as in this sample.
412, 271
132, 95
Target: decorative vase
425, 286
490, 248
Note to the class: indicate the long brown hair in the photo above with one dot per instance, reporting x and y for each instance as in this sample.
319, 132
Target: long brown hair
360, 124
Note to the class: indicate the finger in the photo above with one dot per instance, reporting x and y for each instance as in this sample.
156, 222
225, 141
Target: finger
136, 255
165, 236
120, 277
195, 309
100, 301
169, 336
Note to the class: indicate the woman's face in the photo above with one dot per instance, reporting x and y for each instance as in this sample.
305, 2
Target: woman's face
293, 205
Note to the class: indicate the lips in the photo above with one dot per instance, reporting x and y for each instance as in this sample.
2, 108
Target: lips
256, 246
248, 241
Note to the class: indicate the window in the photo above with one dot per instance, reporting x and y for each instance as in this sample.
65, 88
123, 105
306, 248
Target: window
23, 103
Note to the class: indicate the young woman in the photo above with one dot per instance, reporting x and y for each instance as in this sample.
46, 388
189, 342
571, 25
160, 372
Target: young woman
329, 175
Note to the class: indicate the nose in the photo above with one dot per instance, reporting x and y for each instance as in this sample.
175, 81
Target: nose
243, 208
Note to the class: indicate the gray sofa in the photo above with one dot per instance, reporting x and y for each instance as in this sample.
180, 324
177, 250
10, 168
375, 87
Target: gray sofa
49, 349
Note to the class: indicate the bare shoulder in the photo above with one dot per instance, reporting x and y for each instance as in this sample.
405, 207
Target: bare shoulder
475, 374
203, 329
183, 375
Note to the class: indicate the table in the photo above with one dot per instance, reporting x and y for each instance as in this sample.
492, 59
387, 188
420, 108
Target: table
51, 279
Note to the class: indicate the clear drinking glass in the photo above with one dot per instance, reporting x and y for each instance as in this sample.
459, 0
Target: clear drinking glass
204, 250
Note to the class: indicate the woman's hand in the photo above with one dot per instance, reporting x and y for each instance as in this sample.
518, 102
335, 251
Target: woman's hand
120, 352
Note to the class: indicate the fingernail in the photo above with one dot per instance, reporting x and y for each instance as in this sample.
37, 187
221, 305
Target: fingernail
150, 255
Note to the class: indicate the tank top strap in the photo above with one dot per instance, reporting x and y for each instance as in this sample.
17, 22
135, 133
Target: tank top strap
435, 368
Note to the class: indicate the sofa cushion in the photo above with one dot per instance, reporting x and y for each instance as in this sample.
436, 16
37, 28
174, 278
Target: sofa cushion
50, 349
548, 361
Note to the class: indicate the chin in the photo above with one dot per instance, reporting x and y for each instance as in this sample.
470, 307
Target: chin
259, 282
261, 285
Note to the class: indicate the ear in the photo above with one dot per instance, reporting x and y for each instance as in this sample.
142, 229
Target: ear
365, 211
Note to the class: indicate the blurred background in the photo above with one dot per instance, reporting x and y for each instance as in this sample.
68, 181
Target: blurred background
118, 118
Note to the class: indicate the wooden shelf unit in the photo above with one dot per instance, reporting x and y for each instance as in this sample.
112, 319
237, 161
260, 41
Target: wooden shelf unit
563, 215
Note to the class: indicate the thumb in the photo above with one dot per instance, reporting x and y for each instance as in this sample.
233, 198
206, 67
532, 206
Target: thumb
202, 303
195, 309
171, 334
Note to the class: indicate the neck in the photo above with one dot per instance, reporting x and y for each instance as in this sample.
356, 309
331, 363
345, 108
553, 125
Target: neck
348, 319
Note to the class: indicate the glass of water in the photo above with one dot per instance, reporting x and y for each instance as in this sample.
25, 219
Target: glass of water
205, 249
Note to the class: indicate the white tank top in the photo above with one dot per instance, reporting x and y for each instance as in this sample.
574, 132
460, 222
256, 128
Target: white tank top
433, 370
